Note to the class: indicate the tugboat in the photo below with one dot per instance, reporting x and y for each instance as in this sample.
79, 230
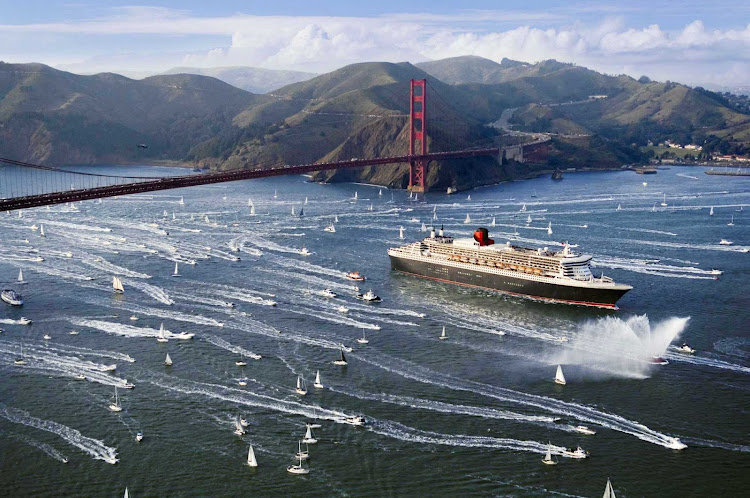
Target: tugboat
355, 275
11, 297
369, 296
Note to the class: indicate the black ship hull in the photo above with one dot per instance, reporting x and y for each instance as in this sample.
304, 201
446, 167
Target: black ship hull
585, 296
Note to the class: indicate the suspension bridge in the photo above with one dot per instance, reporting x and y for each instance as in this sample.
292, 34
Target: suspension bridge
32, 185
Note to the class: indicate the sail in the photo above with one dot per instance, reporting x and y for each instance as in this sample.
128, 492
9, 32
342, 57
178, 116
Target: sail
443, 333
305, 200
299, 383
252, 209
308, 433
609, 492
182, 201
117, 284
468, 218
176, 271
335, 218
559, 377
492, 224
293, 213
301, 212
41, 230
20, 275
251, 461
343, 358
126, 493
317, 377
711, 213
168, 360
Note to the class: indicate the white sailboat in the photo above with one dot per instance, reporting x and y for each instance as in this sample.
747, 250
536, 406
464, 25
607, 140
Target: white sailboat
619, 207
468, 219
297, 469
442, 334
275, 194
182, 201
20, 276
309, 439
168, 361
330, 228
355, 196
549, 228
401, 232
731, 223
251, 461
559, 377
664, 201
301, 388
523, 208
380, 193
468, 197
492, 223
547, 460
126, 489
317, 382
176, 271
302, 455
293, 213
238, 429
528, 220
117, 285
115, 407
363, 339
41, 231
161, 337
252, 210
609, 491
342, 360
711, 212
174, 217
305, 200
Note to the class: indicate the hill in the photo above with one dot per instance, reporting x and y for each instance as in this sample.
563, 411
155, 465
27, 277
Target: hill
251, 79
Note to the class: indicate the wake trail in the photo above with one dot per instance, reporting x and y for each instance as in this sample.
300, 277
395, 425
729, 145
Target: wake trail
49, 450
152, 291
221, 343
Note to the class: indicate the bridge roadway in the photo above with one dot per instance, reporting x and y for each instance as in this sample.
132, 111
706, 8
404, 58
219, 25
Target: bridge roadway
31, 201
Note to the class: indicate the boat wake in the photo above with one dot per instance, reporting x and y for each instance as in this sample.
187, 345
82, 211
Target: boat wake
123, 330
49, 450
152, 291
97, 449
221, 343
706, 362
167, 314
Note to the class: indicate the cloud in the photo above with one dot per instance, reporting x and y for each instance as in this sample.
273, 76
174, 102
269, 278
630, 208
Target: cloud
323, 43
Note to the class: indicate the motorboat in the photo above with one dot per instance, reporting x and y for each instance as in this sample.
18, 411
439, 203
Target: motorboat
73, 332
304, 251
129, 385
46, 337
11, 297
725, 242
139, 437
80, 377
356, 420
133, 318
576, 453
685, 349
183, 336
658, 360
369, 296
585, 430
355, 275
24, 321
327, 293
716, 272
342, 309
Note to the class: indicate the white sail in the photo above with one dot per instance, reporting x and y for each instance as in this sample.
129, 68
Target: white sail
251, 461
293, 213
424, 227
205, 218
176, 271
355, 196
400, 232
528, 220
442, 334
548, 456
380, 192
609, 492
41, 230
252, 210
299, 383
317, 380
168, 360
305, 199
182, 201
468, 218
619, 207
335, 218
308, 433
492, 223
249, 202
126, 493
20, 275
523, 208
711, 213
559, 377
275, 194
117, 284
549, 228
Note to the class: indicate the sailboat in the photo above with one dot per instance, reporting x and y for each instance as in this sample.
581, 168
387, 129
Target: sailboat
293, 213
161, 337
301, 212
251, 461
549, 228
117, 285
20, 276
252, 210
41, 231
355, 196
238, 429
115, 407
182, 201
302, 455
492, 223
468, 218
547, 460
335, 218
653, 208
176, 271
523, 208
401, 232
559, 377
174, 217
297, 469
363, 339
468, 197
442, 334
168, 361
301, 389
619, 207
341, 361
731, 223
309, 439
528, 220
609, 491
317, 382
711, 212
305, 200
380, 193
275, 194
330, 228
664, 202
126, 493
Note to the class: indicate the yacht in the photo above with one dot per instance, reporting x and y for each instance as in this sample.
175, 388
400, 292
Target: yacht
73, 332
685, 349
24, 321
80, 377
11, 297
304, 252
576, 453
725, 242
369, 296
115, 407
327, 293
355, 420
330, 228
548, 460
363, 339
297, 469
301, 388
139, 437
585, 430
302, 455
355, 275
342, 360
342, 309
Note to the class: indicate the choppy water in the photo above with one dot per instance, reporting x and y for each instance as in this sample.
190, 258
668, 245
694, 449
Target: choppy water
469, 415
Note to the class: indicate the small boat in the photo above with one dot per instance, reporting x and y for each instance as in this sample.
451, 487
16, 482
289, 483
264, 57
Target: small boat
468, 219
528, 220
380, 193
658, 360
304, 251
73, 332
327, 293
725, 242
559, 377
20, 277
549, 228
664, 202
240, 362
523, 209
335, 218
176, 271
401, 232
442, 334
275, 194
739, 210
301, 212
355, 275
302, 455
133, 318
619, 207
129, 385
585, 430
301, 388
185, 335
685, 349
238, 429
161, 336
492, 223
576, 453
468, 197
24, 321
19, 361
317, 382
297, 469
139, 437
117, 285
293, 213
11, 297
115, 407
342, 309
252, 210
305, 200
41, 231
355, 196
80, 377
330, 228
731, 223
46, 337
242, 382
182, 201
342, 360
251, 461
309, 439
609, 491
168, 361
369, 297
363, 339
355, 420
711, 212
547, 460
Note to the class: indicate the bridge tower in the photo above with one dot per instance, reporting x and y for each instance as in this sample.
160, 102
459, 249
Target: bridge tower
418, 135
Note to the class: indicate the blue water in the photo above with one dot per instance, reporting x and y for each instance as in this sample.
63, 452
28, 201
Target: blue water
472, 414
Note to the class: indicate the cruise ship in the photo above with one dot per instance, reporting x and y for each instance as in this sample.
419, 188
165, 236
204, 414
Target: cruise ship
552, 275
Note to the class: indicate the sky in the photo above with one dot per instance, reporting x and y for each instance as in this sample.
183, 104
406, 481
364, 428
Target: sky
693, 42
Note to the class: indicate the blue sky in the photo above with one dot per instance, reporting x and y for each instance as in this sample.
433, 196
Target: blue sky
694, 42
